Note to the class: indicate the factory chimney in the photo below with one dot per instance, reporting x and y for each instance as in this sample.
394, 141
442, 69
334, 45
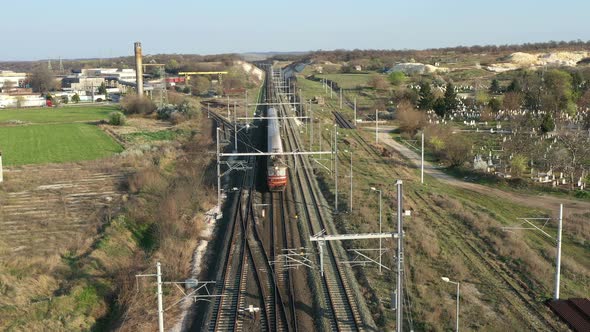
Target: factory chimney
138, 69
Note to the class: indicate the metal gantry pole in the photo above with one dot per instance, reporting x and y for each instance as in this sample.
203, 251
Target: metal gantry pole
350, 181
336, 166
340, 98
400, 254
227, 107
422, 164
235, 136
218, 174
558, 259
160, 304
380, 221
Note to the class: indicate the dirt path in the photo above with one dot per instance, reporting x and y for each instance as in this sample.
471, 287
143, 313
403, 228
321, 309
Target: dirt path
536, 201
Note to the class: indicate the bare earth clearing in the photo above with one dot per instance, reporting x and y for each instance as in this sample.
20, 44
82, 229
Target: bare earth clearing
45, 209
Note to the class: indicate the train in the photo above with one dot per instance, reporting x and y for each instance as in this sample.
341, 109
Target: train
275, 165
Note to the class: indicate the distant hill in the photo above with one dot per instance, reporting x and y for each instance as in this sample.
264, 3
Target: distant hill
258, 56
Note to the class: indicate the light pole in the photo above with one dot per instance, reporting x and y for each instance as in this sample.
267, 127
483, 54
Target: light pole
445, 279
380, 193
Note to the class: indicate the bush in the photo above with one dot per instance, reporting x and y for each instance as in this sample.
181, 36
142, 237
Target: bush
410, 119
117, 119
457, 150
397, 77
176, 113
134, 104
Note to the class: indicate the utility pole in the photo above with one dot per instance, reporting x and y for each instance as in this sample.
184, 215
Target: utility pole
336, 167
422, 164
380, 221
376, 126
311, 129
331, 89
341, 98
246, 104
355, 111
558, 259
400, 255
350, 181
227, 107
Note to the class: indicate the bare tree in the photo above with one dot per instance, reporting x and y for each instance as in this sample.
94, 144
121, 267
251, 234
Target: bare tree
410, 119
7, 86
577, 145
378, 82
42, 79
512, 101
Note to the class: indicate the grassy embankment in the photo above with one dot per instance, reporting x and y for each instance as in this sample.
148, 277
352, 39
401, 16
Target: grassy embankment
452, 230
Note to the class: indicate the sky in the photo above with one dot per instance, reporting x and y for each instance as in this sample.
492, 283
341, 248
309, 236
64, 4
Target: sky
43, 29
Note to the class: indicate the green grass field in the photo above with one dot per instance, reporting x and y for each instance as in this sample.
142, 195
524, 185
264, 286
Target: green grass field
54, 143
55, 135
348, 81
57, 115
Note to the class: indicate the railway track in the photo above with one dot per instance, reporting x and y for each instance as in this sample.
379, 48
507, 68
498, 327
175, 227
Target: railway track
343, 309
246, 271
342, 122
279, 240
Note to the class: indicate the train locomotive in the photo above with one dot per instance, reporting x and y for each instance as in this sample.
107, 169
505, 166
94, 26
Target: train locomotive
276, 167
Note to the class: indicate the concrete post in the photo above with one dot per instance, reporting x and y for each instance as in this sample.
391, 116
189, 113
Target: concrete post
400, 253
422, 163
160, 304
336, 167
558, 259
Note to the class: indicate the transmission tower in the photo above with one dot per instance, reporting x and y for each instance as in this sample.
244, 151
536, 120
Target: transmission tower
49, 65
61, 66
